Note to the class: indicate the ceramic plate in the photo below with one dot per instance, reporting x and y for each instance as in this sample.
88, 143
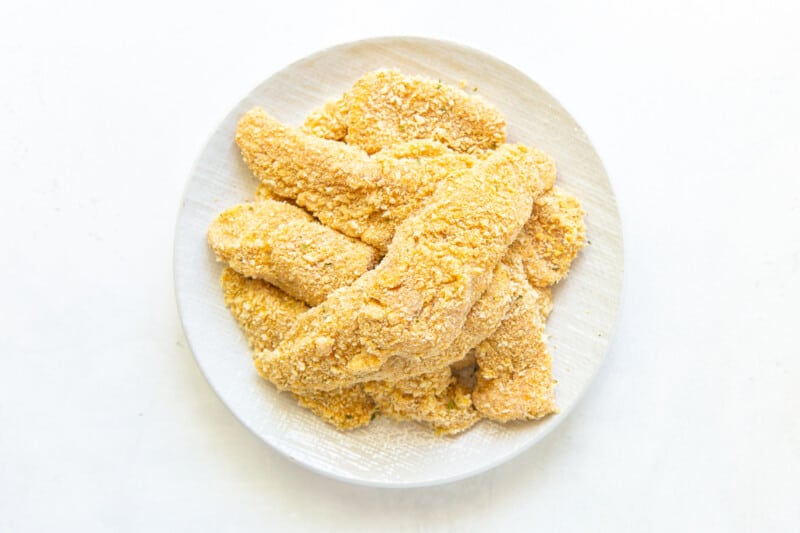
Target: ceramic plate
388, 453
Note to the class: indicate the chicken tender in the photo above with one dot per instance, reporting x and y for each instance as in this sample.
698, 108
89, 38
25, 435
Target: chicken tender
414, 303
266, 314
265, 193
344, 408
385, 107
282, 244
364, 198
546, 167
514, 377
328, 122
437, 399
551, 239
483, 318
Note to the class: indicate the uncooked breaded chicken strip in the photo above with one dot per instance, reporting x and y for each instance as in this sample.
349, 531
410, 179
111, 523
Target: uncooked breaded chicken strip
482, 320
345, 408
265, 314
551, 239
365, 198
433, 395
385, 107
414, 303
265, 193
328, 122
437, 399
514, 377
546, 166
284, 245
264, 222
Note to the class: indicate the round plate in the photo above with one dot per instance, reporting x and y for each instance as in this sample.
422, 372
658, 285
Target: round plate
388, 453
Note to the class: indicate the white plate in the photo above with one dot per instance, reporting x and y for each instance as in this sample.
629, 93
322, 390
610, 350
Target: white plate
387, 453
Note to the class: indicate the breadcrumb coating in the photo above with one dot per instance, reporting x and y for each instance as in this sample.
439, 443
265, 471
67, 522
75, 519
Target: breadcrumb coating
447, 412
284, 245
514, 377
365, 198
265, 193
328, 122
385, 107
546, 166
551, 239
265, 313
414, 303
346, 408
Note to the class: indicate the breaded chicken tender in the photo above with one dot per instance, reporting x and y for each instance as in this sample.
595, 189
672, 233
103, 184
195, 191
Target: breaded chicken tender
284, 245
365, 198
385, 107
482, 320
514, 377
345, 408
265, 193
546, 167
265, 314
414, 303
437, 399
328, 122
551, 239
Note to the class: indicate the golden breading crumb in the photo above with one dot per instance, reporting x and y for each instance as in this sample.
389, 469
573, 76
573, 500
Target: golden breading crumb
546, 167
284, 245
385, 107
265, 193
448, 412
328, 122
414, 303
514, 377
345, 408
264, 312
552, 238
365, 198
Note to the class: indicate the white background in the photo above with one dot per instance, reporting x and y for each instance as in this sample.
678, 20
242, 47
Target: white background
692, 424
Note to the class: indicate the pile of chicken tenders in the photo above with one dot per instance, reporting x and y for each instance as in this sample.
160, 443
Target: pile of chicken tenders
397, 257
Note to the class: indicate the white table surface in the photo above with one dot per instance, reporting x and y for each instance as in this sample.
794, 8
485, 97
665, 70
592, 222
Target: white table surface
106, 423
